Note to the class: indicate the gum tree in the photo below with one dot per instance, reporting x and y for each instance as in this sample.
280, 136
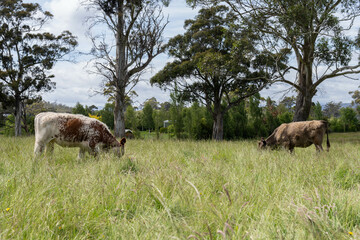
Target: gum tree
315, 32
215, 59
135, 29
27, 54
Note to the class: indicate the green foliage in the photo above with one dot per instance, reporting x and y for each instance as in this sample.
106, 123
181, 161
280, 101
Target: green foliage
336, 125
349, 120
271, 116
27, 54
163, 130
148, 117
285, 117
158, 121
197, 123
355, 95
315, 32
176, 108
28, 124
288, 103
79, 109
256, 126
252, 118
9, 125
316, 112
107, 115
216, 57
130, 118
332, 109
236, 123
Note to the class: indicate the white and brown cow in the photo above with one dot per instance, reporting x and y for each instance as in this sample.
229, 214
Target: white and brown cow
298, 134
74, 130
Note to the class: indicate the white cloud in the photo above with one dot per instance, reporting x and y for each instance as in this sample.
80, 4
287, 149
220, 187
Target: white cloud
74, 84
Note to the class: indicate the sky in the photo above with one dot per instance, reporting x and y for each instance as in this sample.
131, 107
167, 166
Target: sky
75, 84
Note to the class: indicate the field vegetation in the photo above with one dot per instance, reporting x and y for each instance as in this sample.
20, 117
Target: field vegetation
170, 189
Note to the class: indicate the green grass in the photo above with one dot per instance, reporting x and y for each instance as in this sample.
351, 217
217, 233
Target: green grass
181, 190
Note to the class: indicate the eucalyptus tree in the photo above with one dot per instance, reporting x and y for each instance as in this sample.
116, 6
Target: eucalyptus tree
332, 109
355, 95
315, 31
27, 54
135, 28
213, 60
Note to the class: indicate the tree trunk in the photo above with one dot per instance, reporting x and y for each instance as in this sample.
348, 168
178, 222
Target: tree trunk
24, 118
303, 106
119, 110
218, 126
119, 116
18, 114
304, 97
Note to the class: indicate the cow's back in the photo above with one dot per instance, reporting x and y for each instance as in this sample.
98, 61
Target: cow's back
301, 134
45, 126
49, 125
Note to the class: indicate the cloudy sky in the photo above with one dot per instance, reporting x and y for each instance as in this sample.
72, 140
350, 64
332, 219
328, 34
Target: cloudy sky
74, 83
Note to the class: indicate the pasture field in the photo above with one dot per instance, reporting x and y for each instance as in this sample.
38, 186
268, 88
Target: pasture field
171, 189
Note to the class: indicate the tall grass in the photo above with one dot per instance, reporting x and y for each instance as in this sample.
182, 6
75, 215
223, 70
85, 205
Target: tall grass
181, 190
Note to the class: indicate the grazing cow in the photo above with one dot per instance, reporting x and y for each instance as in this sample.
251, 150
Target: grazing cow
74, 130
298, 134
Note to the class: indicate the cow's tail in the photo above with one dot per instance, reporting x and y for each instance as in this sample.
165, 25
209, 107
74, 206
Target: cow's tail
327, 137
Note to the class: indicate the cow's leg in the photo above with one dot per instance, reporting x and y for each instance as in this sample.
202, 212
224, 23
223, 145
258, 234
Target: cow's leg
318, 143
50, 147
81, 153
291, 149
289, 146
93, 149
38, 148
319, 148
93, 152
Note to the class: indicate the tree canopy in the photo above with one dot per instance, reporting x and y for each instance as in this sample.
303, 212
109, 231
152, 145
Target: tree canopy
137, 27
27, 54
314, 31
215, 62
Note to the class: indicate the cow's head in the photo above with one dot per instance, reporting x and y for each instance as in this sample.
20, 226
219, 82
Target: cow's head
118, 148
262, 143
122, 146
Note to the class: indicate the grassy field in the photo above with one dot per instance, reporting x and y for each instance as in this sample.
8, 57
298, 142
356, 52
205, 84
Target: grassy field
181, 190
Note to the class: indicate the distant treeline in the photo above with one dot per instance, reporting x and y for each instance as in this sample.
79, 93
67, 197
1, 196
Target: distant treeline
252, 118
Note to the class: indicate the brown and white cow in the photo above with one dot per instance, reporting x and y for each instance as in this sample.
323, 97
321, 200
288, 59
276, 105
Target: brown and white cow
298, 134
74, 130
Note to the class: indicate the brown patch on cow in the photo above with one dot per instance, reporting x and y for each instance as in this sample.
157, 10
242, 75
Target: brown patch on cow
73, 125
122, 141
103, 135
71, 129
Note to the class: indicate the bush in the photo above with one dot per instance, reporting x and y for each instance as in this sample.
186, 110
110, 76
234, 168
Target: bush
335, 125
285, 117
171, 130
163, 130
10, 126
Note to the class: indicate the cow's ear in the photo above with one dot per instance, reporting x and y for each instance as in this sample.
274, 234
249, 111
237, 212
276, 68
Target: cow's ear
123, 141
